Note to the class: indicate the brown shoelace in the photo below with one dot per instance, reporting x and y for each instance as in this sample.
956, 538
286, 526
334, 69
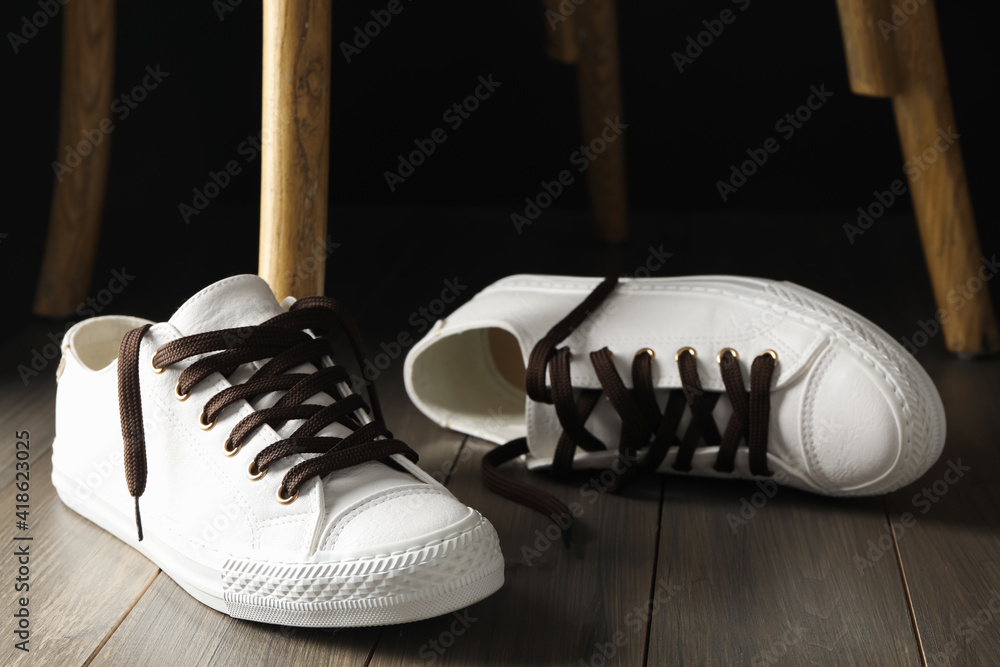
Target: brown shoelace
284, 342
643, 424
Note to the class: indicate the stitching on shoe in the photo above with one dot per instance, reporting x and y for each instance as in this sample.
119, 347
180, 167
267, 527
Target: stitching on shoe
286, 518
815, 470
448, 543
876, 367
908, 394
899, 392
873, 338
631, 286
364, 505
531, 431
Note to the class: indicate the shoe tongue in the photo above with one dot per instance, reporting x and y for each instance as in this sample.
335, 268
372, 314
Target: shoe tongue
231, 303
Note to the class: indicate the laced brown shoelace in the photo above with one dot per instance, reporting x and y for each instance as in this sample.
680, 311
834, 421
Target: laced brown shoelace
284, 342
643, 424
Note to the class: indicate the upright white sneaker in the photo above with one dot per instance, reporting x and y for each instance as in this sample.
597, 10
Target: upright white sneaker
650, 374
226, 447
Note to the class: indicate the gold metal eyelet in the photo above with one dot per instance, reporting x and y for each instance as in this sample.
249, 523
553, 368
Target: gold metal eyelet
772, 354
282, 499
718, 357
646, 350
156, 369
201, 422
255, 474
228, 450
691, 350
177, 393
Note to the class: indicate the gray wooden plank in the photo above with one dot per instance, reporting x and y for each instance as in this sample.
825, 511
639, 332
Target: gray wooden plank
948, 529
31, 409
558, 606
27, 396
169, 627
781, 588
82, 580
438, 449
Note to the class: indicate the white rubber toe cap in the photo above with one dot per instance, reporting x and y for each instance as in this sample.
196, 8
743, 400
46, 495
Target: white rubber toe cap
853, 427
399, 520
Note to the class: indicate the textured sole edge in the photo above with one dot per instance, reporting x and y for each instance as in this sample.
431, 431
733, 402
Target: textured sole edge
924, 437
397, 588
475, 553
370, 612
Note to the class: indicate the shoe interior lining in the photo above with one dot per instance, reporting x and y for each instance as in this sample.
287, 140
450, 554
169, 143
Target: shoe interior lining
96, 342
474, 383
506, 354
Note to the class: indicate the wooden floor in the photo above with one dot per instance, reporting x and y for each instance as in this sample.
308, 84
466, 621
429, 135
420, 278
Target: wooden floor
662, 576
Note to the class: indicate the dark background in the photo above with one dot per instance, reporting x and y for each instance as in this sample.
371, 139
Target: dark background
452, 217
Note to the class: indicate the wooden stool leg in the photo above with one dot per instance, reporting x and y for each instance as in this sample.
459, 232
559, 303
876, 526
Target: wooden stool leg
871, 62
295, 146
563, 32
601, 112
912, 72
81, 163
927, 132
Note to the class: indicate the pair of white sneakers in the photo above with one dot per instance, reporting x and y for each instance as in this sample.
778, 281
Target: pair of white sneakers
227, 446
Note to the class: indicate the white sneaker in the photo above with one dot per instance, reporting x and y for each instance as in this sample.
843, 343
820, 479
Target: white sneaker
649, 370
256, 481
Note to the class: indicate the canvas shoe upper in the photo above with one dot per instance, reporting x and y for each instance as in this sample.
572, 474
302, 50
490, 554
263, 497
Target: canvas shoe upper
596, 373
252, 474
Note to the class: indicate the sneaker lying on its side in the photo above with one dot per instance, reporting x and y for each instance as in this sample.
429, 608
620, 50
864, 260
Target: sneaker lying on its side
716, 376
226, 447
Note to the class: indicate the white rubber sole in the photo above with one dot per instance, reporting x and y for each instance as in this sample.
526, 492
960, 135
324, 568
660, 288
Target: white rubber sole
419, 583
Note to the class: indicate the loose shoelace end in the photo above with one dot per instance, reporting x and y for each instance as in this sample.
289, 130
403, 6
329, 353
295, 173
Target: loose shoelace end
138, 519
